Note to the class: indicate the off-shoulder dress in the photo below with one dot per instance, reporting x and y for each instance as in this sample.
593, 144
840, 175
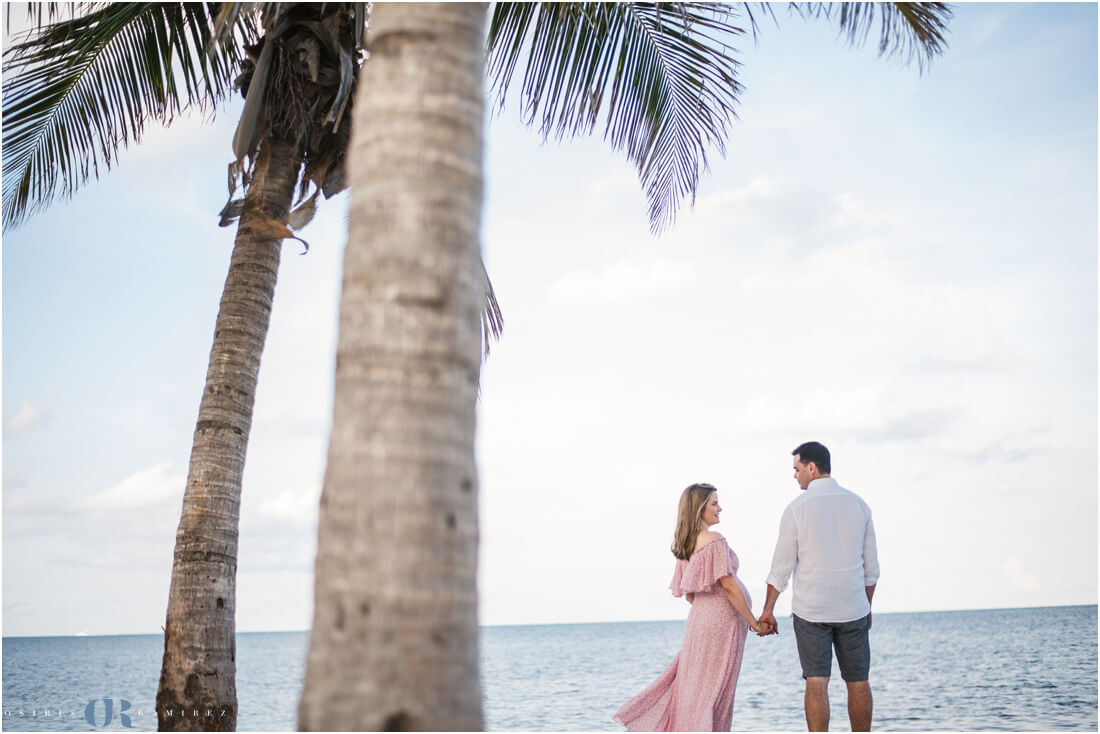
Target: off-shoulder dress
695, 692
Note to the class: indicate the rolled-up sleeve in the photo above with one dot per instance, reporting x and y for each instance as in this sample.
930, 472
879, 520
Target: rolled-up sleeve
786, 552
870, 553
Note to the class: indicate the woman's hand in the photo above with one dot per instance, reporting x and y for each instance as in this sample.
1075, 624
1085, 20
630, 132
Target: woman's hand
763, 628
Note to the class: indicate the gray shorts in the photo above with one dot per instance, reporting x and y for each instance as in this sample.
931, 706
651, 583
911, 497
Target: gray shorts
815, 648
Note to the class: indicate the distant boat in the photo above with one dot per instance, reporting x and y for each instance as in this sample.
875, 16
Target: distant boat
81, 633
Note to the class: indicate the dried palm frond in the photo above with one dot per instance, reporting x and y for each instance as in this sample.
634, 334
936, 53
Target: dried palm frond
298, 83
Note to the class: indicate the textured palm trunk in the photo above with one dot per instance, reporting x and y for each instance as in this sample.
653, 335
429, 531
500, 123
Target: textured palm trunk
394, 638
198, 690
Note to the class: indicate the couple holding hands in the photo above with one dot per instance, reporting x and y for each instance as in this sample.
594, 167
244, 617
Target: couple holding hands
827, 540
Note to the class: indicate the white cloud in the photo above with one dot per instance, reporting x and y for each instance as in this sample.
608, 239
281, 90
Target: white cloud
870, 414
14, 504
616, 181
26, 419
776, 214
621, 281
148, 487
298, 506
997, 443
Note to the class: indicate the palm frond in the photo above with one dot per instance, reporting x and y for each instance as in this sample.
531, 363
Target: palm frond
908, 30
765, 9
492, 318
41, 13
79, 89
665, 70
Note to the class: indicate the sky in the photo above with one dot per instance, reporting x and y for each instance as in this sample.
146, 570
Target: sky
900, 265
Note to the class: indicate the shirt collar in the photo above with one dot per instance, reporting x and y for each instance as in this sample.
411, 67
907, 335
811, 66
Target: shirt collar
822, 483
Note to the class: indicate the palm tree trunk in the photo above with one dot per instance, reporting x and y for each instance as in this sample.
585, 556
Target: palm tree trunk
394, 638
198, 690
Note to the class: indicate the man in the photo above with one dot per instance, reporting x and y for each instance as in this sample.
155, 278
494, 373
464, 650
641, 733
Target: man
827, 539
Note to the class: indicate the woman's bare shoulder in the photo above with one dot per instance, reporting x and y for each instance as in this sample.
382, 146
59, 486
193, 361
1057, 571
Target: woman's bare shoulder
706, 537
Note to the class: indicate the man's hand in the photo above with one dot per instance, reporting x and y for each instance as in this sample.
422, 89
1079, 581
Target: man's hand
768, 623
870, 595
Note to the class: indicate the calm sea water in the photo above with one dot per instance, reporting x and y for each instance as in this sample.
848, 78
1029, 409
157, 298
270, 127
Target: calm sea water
1007, 670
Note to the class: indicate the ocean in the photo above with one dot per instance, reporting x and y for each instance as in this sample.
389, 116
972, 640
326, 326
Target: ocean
989, 670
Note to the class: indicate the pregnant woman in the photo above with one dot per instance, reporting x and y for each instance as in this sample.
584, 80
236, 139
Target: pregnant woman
695, 692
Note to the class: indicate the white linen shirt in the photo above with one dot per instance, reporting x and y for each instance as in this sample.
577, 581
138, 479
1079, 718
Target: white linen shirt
827, 539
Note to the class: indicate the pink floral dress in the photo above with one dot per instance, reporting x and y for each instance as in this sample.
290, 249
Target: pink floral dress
695, 691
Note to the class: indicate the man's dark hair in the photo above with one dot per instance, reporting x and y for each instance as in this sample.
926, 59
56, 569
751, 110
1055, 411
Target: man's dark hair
815, 452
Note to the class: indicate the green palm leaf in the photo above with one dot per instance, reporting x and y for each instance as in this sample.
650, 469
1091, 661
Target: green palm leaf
669, 72
911, 30
665, 70
79, 89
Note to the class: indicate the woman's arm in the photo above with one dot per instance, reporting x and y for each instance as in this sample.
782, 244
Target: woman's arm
737, 599
690, 596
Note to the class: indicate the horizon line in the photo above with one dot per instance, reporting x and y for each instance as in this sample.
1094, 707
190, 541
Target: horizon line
548, 624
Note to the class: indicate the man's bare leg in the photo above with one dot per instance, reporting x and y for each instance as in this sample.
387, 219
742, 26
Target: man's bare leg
859, 705
817, 704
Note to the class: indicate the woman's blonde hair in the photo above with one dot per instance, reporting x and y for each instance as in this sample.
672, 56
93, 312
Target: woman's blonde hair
693, 501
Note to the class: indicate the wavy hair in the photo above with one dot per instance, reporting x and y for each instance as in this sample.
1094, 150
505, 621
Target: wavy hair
693, 501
